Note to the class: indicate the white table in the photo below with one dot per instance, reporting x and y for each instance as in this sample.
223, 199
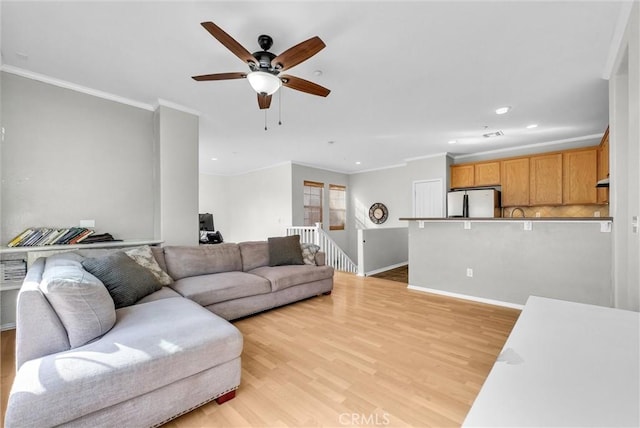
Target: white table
564, 364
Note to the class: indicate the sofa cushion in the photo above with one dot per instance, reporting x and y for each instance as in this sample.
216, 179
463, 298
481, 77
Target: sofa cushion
285, 250
185, 261
151, 346
126, 281
309, 252
145, 258
219, 287
80, 300
282, 277
254, 254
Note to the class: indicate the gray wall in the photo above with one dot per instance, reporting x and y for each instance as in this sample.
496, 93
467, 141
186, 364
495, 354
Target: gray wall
69, 156
177, 152
381, 249
562, 260
299, 174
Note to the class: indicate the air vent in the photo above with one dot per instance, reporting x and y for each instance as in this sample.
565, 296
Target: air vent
493, 134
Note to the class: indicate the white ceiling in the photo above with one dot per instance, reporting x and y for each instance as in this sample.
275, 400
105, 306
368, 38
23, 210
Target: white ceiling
406, 77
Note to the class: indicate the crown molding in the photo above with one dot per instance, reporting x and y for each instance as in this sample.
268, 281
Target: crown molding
172, 105
74, 87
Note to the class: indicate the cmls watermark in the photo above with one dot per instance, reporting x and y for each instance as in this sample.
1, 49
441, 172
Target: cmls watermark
372, 419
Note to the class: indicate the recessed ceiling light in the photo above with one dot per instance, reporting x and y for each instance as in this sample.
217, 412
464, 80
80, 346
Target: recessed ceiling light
358, 163
452, 141
503, 110
317, 73
533, 125
214, 159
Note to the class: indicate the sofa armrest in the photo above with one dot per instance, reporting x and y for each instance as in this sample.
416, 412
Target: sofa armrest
320, 258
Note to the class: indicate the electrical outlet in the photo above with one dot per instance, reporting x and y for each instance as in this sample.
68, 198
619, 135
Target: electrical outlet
596, 213
467, 225
537, 213
470, 272
527, 225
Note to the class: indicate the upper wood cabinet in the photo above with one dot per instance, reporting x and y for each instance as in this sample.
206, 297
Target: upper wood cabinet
462, 176
475, 175
603, 167
515, 182
487, 174
546, 179
580, 174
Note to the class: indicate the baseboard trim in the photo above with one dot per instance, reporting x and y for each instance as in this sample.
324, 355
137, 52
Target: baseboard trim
466, 297
386, 268
8, 326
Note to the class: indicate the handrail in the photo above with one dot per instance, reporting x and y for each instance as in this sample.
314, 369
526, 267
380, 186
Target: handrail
335, 256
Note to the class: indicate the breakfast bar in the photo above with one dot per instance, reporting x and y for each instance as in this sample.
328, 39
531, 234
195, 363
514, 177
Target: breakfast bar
505, 260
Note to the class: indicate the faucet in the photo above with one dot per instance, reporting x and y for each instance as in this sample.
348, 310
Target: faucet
517, 208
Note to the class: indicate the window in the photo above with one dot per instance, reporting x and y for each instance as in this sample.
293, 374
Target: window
313, 202
337, 207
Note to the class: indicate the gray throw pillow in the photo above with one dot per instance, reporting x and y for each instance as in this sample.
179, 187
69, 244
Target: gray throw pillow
126, 281
285, 251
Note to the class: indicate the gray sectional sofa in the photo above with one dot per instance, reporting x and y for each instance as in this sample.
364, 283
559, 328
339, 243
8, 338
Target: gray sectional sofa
82, 362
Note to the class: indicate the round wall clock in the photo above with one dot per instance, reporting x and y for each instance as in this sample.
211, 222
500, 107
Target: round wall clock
378, 213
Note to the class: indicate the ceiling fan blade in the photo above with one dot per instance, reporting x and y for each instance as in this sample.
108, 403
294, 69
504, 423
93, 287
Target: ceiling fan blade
304, 86
300, 52
264, 101
220, 76
229, 42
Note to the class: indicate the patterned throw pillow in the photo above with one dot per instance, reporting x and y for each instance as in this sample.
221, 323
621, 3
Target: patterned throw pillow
144, 257
309, 253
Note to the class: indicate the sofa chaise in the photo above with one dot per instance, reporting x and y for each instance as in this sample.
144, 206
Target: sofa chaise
83, 361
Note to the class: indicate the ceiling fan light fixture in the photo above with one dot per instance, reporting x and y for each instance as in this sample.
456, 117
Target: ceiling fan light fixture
263, 82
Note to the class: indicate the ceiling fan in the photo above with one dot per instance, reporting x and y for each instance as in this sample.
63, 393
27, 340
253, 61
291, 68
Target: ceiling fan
265, 77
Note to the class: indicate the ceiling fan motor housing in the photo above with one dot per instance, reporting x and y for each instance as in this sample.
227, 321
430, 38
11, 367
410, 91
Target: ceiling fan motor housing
264, 61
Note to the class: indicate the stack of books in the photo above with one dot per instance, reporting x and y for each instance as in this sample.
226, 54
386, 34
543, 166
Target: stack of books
13, 270
39, 236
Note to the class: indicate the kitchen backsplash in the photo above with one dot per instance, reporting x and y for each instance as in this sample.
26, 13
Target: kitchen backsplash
560, 211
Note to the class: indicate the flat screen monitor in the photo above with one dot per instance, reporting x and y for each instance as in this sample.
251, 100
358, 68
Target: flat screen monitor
206, 222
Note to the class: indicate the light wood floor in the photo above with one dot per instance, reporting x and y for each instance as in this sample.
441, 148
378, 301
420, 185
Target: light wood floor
373, 353
399, 274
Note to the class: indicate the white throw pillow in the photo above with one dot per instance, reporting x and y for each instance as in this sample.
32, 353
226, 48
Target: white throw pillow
144, 257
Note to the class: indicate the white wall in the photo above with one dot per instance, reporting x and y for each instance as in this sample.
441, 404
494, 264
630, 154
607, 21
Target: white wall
624, 105
258, 204
68, 156
213, 199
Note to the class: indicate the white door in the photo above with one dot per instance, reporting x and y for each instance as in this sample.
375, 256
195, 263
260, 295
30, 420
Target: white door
428, 199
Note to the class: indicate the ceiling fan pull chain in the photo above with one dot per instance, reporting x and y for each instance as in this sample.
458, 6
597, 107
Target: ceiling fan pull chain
280, 107
265, 119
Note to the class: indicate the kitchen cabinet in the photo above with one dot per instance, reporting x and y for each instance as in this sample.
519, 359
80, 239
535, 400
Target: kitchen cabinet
545, 179
475, 175
515, 182
603, 167
487, 174
462, 176
580, 174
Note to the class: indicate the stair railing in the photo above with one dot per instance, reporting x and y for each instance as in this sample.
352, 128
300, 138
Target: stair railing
335, 256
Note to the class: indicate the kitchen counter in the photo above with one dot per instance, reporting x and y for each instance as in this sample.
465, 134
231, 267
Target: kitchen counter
508, 218
505, 260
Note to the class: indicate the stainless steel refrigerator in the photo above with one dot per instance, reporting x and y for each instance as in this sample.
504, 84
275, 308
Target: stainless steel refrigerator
474, 203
